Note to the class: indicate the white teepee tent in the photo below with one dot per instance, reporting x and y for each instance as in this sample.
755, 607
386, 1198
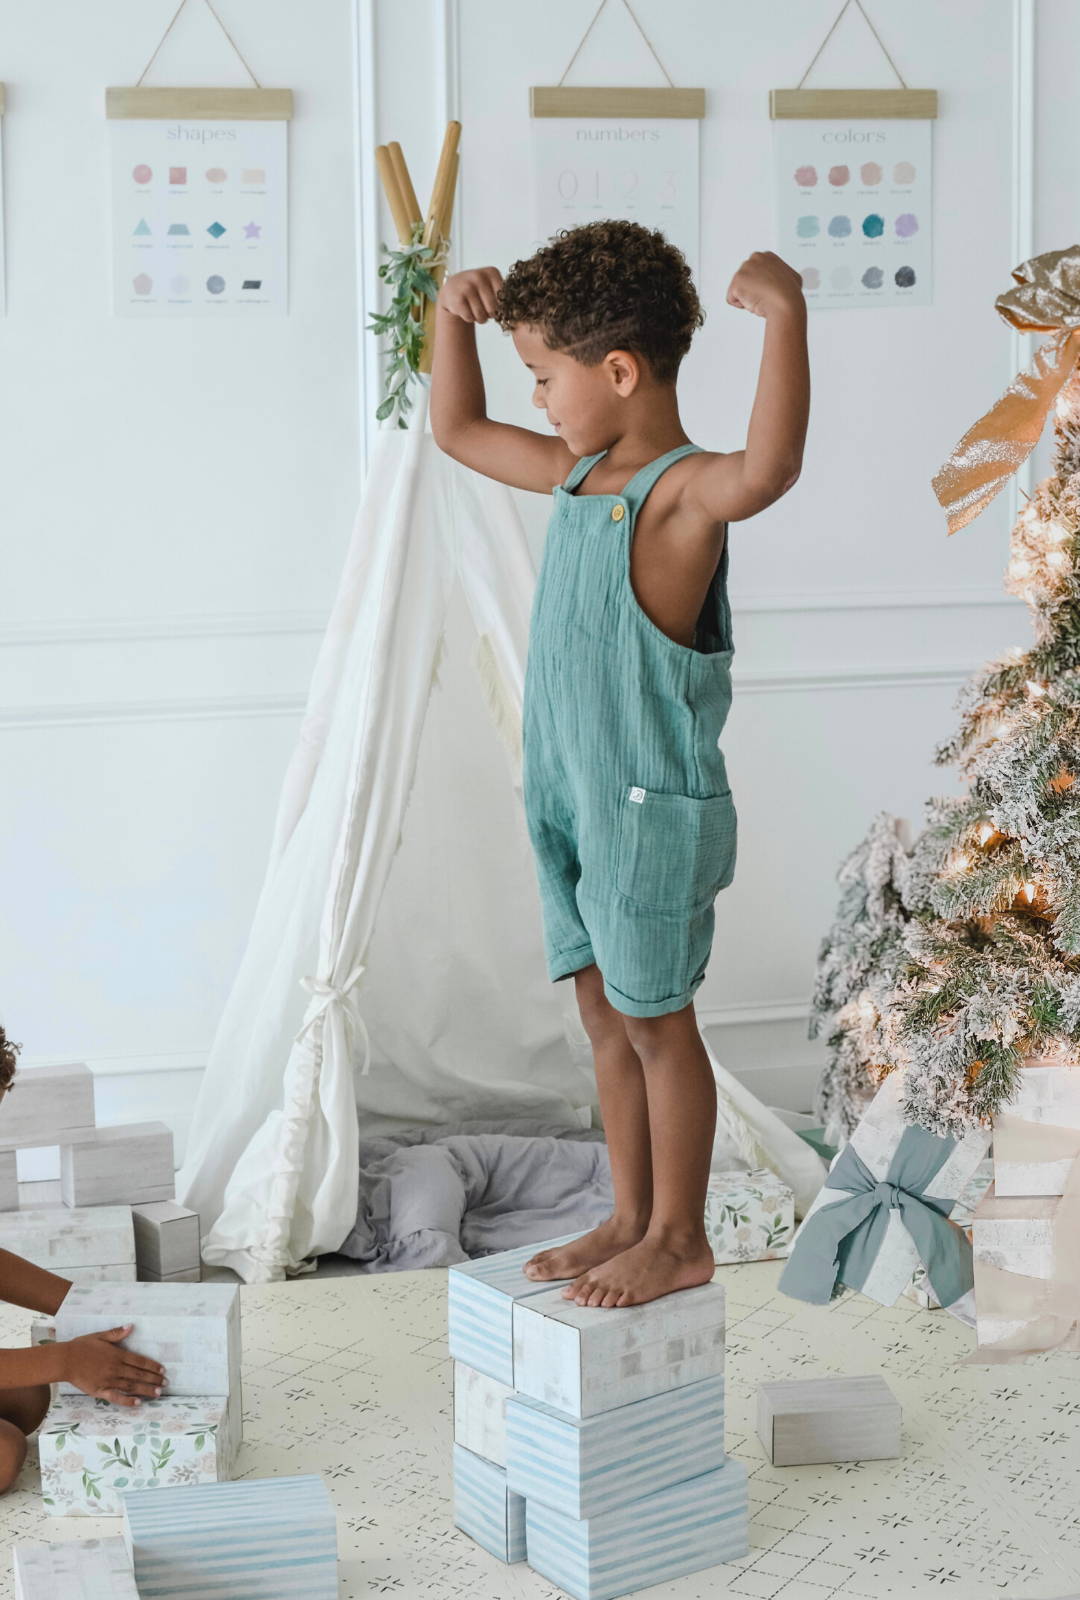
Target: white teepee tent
423, 964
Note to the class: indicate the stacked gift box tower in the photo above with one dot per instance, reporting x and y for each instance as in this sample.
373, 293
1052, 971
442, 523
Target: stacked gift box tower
113, 1216
589, 1442
260, 1539
1027, 1263
93, 1453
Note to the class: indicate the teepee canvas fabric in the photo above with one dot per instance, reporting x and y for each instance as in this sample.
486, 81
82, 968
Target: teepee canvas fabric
394, 971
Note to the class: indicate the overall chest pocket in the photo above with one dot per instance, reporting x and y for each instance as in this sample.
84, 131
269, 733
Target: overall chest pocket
674, 851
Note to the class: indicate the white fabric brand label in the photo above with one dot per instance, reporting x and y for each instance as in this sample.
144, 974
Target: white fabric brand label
637, 794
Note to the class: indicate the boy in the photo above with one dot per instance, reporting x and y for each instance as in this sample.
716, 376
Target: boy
628, 682
94, 1363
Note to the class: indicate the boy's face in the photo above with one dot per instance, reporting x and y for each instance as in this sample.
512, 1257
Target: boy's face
581, 402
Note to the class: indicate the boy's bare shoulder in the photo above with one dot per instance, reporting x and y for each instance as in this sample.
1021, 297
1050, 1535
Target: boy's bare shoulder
518, 456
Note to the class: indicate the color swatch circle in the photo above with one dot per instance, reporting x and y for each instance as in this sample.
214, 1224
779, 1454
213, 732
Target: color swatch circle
838, 176
905, 277
811, 278
872, 278
870, 173
873, 225
142, 173
806, 177
907, 224
215, 284
840, 278
216, 174
808, 227
143, 283
839, 227
903, 173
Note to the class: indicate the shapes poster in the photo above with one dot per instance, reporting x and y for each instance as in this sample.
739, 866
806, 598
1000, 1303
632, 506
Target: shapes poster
641, 169
200, 217
853, 206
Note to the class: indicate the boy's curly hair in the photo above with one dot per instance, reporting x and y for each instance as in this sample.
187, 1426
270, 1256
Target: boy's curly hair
8, 1053
604, 286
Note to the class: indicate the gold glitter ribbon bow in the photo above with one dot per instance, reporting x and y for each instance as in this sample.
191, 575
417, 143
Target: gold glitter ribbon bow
1047, 300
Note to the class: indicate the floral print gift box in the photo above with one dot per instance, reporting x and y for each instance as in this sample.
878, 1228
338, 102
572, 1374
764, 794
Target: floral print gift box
749, 1216
91, 1451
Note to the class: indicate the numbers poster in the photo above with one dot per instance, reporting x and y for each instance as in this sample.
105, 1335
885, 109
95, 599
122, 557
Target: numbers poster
641, 169
200, 217
853, 206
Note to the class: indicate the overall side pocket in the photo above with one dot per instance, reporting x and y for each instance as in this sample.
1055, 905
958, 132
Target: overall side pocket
674, 852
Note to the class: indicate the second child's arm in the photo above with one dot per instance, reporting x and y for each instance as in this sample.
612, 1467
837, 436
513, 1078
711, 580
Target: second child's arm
460, 424
23, 1284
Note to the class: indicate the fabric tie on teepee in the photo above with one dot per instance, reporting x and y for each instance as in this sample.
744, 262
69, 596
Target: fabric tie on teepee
839, 1243
1046, 300
338, 994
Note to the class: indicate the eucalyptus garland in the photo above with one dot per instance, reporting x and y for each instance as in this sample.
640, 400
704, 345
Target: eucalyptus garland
410, 273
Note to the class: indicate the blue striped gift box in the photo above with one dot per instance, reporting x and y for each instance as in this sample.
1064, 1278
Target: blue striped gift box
91, 1569
485, 1508
584, 1468
480, 1305
256, 1539
694, 1524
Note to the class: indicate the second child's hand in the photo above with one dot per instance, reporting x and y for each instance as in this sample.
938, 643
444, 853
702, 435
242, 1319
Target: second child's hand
97, 1364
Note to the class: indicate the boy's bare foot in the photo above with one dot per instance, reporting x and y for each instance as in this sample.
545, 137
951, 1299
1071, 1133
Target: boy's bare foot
570, 1260
656, 1265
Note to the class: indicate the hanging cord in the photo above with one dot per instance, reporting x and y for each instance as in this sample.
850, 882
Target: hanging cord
833, 29
589, 29
224, 30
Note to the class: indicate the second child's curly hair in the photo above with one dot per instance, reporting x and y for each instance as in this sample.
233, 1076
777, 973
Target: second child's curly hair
604, 286
8, 1053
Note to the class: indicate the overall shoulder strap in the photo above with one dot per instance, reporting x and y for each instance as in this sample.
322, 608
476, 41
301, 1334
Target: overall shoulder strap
646, 476
580, 468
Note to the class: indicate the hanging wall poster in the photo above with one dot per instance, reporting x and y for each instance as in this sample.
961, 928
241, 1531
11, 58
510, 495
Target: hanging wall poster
598, 153
200, 215
853, 208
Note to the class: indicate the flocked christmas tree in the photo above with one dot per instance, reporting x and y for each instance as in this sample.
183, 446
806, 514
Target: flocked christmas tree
980, 948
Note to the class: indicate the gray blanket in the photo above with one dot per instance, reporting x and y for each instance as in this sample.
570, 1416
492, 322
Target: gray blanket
430, 1197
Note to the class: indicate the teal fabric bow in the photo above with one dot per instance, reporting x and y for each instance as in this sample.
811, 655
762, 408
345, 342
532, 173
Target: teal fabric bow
838, 1244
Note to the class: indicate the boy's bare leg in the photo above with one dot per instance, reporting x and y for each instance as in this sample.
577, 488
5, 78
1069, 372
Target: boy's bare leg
620, 1082
21, 1411
681, 1092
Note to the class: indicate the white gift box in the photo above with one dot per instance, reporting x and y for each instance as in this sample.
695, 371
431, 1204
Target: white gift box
255, 1539
480, 1301
1049, 1097
87, 1569
9, 1180
132, 1163
193, 1330
485, 1508
749, 1216
479, 1413
1016, 1234
90, 1239
91, 1452
875, 1140
166, 1239
586, 1467
809, 1421
697, 1523
46, 1106
587, 1359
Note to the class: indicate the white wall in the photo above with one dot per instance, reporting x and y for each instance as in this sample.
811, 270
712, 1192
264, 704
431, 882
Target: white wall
177, 498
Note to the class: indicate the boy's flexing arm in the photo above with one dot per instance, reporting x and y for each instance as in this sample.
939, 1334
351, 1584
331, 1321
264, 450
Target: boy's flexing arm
457, 409
739, 484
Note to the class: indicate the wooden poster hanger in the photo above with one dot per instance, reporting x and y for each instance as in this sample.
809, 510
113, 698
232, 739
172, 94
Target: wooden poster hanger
203, 104
832, 103
614, 100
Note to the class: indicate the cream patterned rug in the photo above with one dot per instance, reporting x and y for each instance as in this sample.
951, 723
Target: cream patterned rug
349, 1377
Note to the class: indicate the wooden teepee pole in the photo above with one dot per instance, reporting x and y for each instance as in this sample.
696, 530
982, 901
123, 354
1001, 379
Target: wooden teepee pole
405, 210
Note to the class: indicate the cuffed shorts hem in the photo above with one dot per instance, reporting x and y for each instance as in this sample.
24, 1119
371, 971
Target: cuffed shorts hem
567, 962
651, 1008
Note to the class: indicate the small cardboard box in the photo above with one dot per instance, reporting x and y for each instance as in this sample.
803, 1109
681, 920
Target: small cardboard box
805, 1422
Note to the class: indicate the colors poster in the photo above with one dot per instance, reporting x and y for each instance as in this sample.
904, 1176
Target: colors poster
200, 218
853, 207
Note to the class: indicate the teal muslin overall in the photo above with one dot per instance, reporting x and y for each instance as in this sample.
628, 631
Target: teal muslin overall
626, 795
